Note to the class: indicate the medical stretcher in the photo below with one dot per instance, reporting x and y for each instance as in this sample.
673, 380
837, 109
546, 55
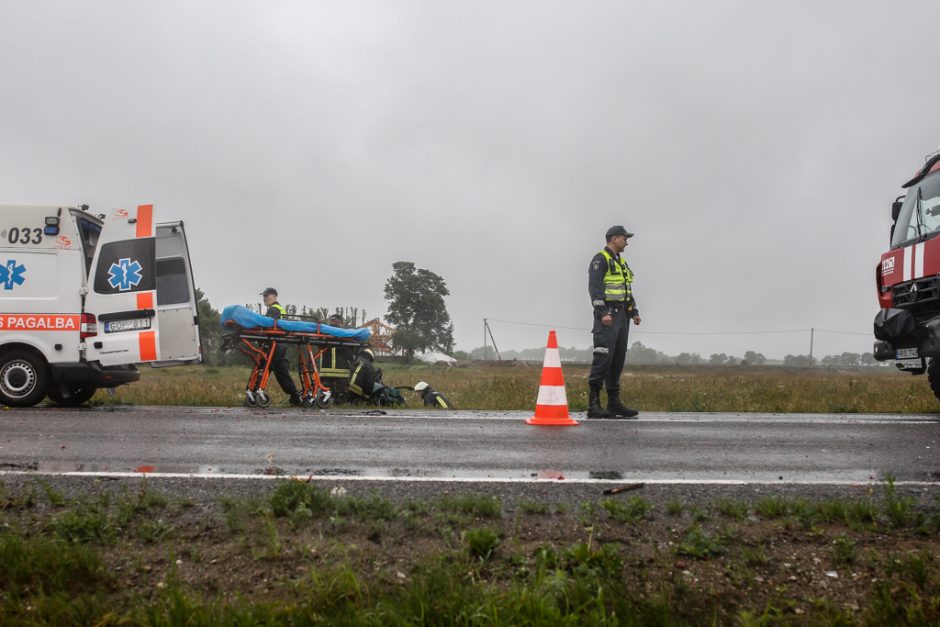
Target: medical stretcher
258, 337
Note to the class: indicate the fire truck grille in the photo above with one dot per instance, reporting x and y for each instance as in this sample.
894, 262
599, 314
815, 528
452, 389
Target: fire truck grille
921, 297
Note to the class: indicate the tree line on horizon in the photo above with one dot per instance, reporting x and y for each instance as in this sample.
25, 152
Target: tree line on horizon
637, 353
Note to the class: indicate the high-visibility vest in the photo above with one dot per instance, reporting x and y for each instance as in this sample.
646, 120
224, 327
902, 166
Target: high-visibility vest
618, 279
280, 308
331, 367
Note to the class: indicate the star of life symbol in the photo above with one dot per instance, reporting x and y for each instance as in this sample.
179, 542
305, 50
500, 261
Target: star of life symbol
12, 274
124, 274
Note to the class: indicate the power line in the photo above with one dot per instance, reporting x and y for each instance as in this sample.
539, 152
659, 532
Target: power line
646, 332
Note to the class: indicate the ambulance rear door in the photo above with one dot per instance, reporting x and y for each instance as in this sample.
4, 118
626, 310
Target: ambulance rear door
122, 290
177, 315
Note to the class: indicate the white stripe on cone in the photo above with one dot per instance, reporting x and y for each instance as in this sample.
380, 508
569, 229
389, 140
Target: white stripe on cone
552, 395
552, 358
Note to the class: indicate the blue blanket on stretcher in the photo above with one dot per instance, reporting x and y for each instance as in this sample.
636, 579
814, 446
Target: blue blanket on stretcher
247, 319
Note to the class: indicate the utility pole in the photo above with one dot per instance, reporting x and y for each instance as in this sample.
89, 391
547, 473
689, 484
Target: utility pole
484, 339
486, 328
812, 332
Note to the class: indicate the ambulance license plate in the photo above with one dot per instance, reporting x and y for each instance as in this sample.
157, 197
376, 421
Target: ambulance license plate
907, 353
136, 324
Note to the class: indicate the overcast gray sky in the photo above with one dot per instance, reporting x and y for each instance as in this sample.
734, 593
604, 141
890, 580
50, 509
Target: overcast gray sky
754, 148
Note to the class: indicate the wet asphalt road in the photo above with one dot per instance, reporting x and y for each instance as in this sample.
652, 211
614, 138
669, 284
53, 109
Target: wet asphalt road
659, 447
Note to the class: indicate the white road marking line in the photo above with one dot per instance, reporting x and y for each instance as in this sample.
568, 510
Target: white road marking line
719, 482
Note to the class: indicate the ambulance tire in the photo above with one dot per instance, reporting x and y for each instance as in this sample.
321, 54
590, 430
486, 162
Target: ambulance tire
24, 378
933, 376
77, 396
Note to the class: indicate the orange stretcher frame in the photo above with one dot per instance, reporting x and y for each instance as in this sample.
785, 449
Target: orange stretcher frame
259, 345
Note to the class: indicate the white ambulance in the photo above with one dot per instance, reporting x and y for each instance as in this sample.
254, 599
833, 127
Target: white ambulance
85, 297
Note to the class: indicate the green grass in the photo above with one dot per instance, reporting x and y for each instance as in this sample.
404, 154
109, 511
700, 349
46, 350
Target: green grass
142, 557
652, 388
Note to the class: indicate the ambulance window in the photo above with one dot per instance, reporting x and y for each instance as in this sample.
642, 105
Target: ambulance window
89, 232
172, 282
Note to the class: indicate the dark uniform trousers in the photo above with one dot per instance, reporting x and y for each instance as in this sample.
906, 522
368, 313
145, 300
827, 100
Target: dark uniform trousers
610, 350
281, 369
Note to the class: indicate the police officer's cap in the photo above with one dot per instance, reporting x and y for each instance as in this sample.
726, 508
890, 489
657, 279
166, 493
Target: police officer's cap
618, 230
336, 318
269, 290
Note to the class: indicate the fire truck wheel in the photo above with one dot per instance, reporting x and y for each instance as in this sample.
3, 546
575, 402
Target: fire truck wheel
933, 376
24, 378
77, 395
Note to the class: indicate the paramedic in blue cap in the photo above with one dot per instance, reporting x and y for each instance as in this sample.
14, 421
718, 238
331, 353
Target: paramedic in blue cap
610, 285
279, 365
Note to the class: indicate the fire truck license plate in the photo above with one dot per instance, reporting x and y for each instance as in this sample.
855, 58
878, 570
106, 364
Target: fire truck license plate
907, 353
126, 325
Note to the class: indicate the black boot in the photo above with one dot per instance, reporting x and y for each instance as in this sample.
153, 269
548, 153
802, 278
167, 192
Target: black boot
595, 410
618, 409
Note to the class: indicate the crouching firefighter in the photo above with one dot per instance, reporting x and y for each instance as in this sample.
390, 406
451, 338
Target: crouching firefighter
365, 382
364, 375
431, 397
610, 285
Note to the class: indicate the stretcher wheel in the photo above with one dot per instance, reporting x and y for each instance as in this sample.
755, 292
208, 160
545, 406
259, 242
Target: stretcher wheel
250, 400
323, 399
263, 399
309, 400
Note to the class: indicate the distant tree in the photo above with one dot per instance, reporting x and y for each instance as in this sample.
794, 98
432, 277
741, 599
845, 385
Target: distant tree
798, 361
850, 359
210, 329
642, 355
754, 359
688, 359
416, 307
210, 334
717, 359
867, 360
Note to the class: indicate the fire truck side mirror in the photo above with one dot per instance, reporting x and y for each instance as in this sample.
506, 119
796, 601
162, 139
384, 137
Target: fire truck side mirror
896, 208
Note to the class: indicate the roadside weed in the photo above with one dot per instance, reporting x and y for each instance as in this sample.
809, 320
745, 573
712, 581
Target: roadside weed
633, 511
843, 551
736, 510
480, 506
299, 500
699, 544
481, 543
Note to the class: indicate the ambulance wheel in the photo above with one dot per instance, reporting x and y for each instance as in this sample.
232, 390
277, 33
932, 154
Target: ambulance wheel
263, 399
24, 378
76, 397
933, 376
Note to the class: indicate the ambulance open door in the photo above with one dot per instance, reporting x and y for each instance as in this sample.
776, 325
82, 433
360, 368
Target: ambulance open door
177, 315
122, 290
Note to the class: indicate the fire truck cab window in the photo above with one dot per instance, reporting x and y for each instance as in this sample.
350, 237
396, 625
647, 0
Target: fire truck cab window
172, 283
916, 221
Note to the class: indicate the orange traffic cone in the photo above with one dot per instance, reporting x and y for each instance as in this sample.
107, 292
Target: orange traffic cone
551, 408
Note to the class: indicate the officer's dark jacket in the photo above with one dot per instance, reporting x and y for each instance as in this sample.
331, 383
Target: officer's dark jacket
596, 272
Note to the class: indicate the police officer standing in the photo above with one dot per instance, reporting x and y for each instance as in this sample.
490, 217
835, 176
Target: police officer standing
279, 365
610, 284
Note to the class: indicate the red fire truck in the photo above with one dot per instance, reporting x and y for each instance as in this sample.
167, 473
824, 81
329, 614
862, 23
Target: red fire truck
907, 328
